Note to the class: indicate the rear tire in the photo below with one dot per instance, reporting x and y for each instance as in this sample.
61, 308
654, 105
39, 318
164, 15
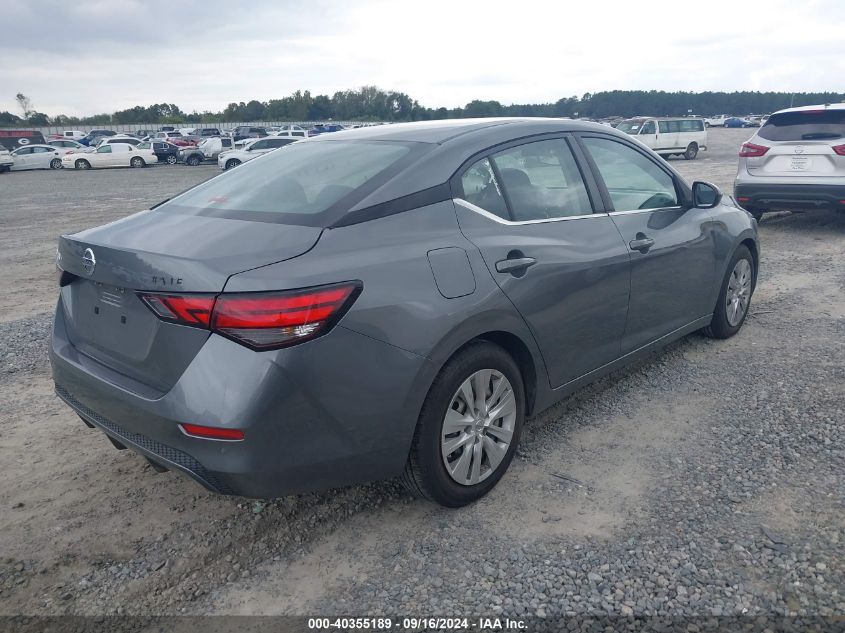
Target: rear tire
665, 156
740, 278
171, 159
481, 439
56, 163
137, 162
193, 161
757, 214
692, 151
82, 164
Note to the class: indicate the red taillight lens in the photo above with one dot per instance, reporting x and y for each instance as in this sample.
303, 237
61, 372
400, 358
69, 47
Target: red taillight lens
192, 310
750, 150
261, 321
212, 432
273, 320
839, 149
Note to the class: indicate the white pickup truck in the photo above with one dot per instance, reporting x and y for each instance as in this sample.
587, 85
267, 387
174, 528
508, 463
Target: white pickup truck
717, 121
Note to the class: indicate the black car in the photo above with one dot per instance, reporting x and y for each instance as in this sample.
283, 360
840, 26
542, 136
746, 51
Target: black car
165, 152
246, 131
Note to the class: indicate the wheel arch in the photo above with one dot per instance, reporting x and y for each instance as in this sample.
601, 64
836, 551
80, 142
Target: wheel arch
751, 245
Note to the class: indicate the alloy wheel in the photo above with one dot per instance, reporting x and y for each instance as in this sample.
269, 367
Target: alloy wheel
478, 427
739, 292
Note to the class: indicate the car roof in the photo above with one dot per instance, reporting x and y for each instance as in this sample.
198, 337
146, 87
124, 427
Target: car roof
34, 145
823, 106
444, 130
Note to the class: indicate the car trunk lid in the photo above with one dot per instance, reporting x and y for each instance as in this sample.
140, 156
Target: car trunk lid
105, 267
797, 159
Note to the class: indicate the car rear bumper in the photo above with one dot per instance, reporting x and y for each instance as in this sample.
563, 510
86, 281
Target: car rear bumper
789, 196
334, 411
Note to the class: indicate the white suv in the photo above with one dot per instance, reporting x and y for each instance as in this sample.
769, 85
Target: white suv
795, 161
252, 149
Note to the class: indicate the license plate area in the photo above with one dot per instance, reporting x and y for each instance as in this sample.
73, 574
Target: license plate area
801, 163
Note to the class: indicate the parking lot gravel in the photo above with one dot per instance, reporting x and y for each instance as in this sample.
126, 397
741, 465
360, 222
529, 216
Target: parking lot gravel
706, 482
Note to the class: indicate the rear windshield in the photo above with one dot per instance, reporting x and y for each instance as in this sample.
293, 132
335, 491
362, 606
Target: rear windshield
809, 125
296, 184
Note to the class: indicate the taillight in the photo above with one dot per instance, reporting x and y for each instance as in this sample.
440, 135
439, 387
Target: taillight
750, 150
261, 321
839, 149
279, 319
192, 310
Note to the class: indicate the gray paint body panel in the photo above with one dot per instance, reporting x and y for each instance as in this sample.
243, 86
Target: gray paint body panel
452, 272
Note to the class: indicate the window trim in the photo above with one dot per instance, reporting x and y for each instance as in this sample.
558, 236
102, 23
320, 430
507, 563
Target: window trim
492, 216
590, 183
682, 191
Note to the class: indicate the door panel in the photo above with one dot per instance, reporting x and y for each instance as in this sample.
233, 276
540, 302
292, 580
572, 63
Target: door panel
566, 269
575, 298
672, 251
670, 281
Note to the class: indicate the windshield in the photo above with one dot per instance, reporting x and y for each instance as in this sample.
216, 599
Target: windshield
296, 184
629, 127
807, 125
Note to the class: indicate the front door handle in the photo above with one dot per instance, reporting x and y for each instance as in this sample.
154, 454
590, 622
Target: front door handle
515, 265
642, 243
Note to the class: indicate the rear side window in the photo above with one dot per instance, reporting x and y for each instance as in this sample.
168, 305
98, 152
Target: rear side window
807, 125
542, 181
296, 185
481, 188
692, 125
633, 181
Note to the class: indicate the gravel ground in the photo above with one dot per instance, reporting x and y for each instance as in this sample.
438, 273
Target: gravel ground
706, 481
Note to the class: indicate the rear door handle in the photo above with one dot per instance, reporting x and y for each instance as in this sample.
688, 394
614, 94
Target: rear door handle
515, 265
642, 243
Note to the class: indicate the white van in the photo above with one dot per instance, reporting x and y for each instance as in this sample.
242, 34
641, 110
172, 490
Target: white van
668, 136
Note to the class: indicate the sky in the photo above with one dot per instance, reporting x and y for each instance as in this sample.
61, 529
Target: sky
84, 57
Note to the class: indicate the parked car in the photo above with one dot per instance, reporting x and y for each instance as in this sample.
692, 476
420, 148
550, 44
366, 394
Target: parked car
110, 155
73, 135
291, 130
246, 131
324, 128
67, 145
736, 121
207, 150
668, 136
393, 302
13, 139
252, 149
93, 136
37, 157
716, 121
118, 138
795, 161
6, 160
165, 152
173, 137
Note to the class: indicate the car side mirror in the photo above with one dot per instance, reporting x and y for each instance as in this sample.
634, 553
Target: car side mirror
705, 195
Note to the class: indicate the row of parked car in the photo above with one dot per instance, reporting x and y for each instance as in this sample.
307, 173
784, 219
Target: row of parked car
727, 120
105, 148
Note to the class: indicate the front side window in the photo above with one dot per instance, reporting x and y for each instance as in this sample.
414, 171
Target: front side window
258, 145
647, 128
632, 179
541, 181
278, 142
481, 188
293, 186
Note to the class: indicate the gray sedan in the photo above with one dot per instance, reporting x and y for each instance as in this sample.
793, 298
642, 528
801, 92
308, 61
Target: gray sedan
389, 301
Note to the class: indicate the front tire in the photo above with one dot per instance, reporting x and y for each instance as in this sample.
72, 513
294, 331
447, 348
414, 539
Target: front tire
469, 427
734, 297
56, 163
231, 164
692, 151
193, 161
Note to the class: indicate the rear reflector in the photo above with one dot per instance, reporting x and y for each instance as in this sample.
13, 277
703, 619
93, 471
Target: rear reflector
839, 149
212, 432
261, 321
750, 150
743, 199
